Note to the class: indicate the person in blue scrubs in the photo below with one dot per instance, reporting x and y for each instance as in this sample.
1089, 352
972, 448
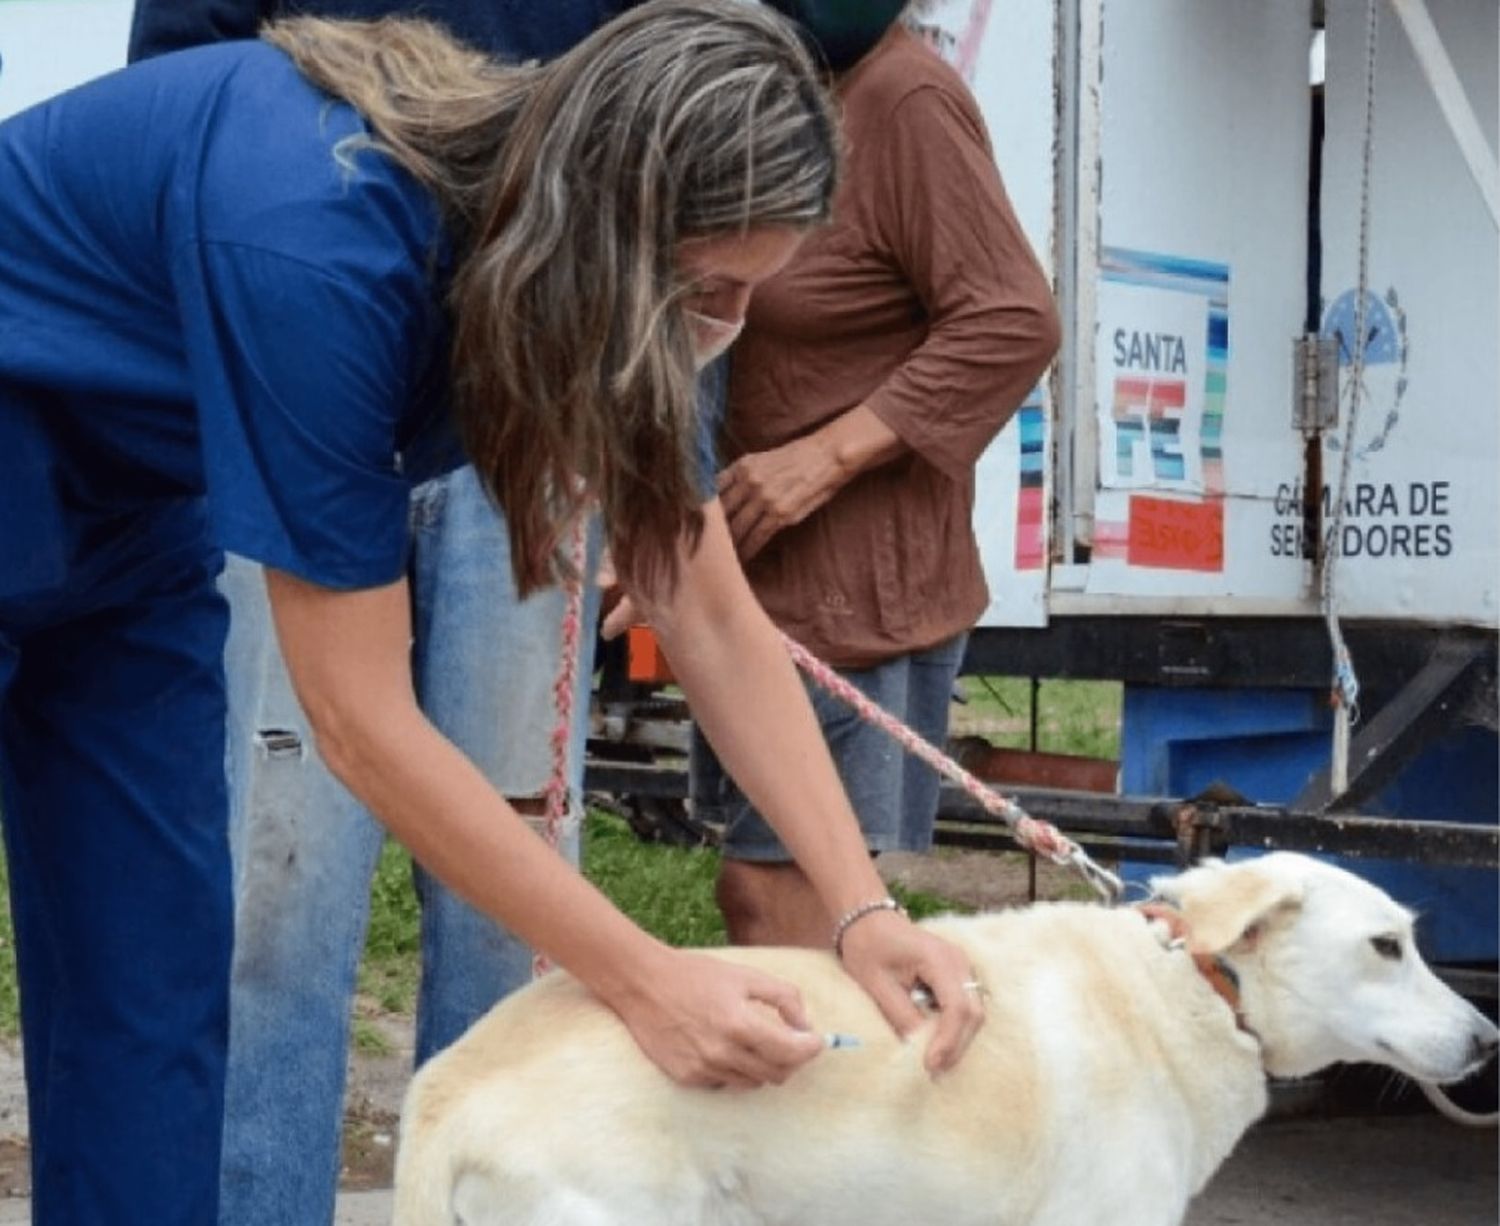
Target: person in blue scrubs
304, 849
234, 311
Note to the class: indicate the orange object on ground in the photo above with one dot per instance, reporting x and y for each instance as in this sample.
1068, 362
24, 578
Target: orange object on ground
1027, 768
645, 660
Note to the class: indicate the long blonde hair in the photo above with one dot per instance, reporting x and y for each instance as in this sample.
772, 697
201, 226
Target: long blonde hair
568, 188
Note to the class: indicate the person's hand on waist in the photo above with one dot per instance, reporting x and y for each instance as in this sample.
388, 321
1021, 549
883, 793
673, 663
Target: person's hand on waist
769, 491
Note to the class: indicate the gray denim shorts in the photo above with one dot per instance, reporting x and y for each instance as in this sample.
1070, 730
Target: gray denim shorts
894, 795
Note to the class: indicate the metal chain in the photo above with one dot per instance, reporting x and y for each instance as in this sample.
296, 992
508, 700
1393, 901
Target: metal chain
1345, 681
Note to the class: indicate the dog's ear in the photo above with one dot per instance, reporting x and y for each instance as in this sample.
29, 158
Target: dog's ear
1228, 906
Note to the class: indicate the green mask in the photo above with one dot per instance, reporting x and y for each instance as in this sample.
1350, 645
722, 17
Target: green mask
842, 31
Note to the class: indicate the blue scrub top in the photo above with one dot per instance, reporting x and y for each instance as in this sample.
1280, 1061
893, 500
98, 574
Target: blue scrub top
207, 290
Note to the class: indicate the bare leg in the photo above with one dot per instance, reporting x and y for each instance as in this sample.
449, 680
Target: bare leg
771, 904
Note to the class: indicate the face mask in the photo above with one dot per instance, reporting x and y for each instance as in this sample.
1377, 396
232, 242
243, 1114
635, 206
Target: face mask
844, 30
711, 335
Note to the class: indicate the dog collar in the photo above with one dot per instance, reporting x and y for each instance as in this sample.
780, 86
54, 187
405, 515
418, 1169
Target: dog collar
1218, 973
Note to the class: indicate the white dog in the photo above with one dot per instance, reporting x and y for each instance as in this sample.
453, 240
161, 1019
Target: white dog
1109, 1082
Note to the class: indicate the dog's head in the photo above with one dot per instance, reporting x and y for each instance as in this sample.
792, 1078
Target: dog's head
1328, 969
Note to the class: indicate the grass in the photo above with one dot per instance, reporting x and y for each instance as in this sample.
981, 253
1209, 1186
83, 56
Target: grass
392, 959
667, 890
1073, 717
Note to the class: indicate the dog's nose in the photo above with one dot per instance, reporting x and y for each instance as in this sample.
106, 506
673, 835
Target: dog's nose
1483, 1046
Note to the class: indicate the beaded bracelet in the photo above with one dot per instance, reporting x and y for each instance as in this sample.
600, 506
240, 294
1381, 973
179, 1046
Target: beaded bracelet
855, 914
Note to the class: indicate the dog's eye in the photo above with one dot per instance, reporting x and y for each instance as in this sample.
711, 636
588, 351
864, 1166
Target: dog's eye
1387, 947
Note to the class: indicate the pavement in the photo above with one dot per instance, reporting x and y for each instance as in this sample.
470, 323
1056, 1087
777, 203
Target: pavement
1416, 1170
364, 1209
1406, 1170
355, 1209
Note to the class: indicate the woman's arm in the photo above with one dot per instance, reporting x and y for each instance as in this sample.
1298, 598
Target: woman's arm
943, 217
700, 1019
744, 692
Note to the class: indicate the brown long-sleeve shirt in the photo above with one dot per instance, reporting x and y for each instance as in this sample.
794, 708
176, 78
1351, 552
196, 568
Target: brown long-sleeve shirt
923, 301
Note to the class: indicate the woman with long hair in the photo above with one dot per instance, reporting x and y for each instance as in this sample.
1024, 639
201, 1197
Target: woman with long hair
240, 288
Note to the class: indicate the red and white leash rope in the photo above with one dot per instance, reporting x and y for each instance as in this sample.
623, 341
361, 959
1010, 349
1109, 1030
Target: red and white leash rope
555, 804
1038, 837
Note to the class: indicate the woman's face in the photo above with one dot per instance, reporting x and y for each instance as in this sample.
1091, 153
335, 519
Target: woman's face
722, 272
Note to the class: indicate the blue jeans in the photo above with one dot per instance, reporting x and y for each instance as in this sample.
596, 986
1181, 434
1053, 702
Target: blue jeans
893, 794
111, 752
305, 850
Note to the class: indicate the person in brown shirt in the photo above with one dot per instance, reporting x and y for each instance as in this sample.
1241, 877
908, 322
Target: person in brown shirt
872, 373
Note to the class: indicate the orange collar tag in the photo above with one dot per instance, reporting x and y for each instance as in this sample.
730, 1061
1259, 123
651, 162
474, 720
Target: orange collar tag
1218, 975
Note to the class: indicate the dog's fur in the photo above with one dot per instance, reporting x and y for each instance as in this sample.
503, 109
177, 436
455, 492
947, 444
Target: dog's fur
1108, 1084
